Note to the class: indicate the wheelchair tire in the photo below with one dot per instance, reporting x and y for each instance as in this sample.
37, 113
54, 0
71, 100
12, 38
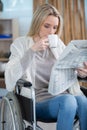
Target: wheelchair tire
76, 125
11, 118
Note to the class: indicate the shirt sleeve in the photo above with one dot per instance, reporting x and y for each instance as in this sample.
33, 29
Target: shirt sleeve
19, 61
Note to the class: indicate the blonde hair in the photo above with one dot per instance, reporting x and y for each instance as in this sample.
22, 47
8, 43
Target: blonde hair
40, 15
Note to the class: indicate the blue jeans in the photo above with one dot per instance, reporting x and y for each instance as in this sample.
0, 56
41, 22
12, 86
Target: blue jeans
63, 109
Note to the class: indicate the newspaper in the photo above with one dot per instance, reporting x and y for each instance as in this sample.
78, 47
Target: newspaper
63, 75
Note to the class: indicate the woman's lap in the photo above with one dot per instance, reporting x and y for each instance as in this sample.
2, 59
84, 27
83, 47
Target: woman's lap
49, 109
63, 109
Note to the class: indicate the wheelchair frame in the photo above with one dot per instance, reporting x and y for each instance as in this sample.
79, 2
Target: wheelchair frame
11, 106
11, 118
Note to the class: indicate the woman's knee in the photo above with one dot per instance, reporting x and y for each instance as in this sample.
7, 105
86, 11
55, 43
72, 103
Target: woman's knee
69, 102
81, 101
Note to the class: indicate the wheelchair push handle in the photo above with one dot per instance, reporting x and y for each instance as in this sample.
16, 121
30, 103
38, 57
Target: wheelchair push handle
24, 83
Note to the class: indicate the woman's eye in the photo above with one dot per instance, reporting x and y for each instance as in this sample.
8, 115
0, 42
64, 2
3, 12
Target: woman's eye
55, 27
46, 26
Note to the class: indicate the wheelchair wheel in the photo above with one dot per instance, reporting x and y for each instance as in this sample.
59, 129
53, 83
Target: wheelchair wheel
76, 125
11, 118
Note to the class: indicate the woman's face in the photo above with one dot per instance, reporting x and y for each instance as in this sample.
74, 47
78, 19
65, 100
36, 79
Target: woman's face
49, 26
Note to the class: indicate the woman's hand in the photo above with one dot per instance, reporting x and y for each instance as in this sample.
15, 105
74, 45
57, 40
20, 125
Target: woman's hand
40, 45
82, 72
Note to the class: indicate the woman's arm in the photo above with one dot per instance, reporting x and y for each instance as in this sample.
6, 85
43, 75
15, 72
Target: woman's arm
19, 61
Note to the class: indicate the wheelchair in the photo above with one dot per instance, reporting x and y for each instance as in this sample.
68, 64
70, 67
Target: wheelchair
18, 108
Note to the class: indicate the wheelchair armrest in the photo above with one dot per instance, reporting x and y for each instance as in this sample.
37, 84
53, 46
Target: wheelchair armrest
24, 83
84, 90
82, 79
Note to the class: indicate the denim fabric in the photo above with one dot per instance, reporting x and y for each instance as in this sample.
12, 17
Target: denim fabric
63, 109
82, 111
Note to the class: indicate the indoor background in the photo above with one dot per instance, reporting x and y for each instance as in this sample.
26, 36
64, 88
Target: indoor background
15, 19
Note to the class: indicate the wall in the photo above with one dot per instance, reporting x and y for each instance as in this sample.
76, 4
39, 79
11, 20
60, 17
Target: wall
23, 10
20, 9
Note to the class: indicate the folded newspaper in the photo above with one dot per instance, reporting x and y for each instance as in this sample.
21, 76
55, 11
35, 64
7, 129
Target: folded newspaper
63, 75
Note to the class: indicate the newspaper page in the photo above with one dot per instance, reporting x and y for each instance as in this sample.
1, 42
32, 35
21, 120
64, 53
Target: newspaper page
63, 75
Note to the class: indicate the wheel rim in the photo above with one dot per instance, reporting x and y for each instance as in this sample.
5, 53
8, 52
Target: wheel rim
7, 117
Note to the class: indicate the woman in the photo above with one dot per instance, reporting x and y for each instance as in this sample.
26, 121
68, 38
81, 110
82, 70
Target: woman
32, 58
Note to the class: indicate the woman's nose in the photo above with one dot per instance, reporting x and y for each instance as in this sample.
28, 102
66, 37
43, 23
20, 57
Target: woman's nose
51, 31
